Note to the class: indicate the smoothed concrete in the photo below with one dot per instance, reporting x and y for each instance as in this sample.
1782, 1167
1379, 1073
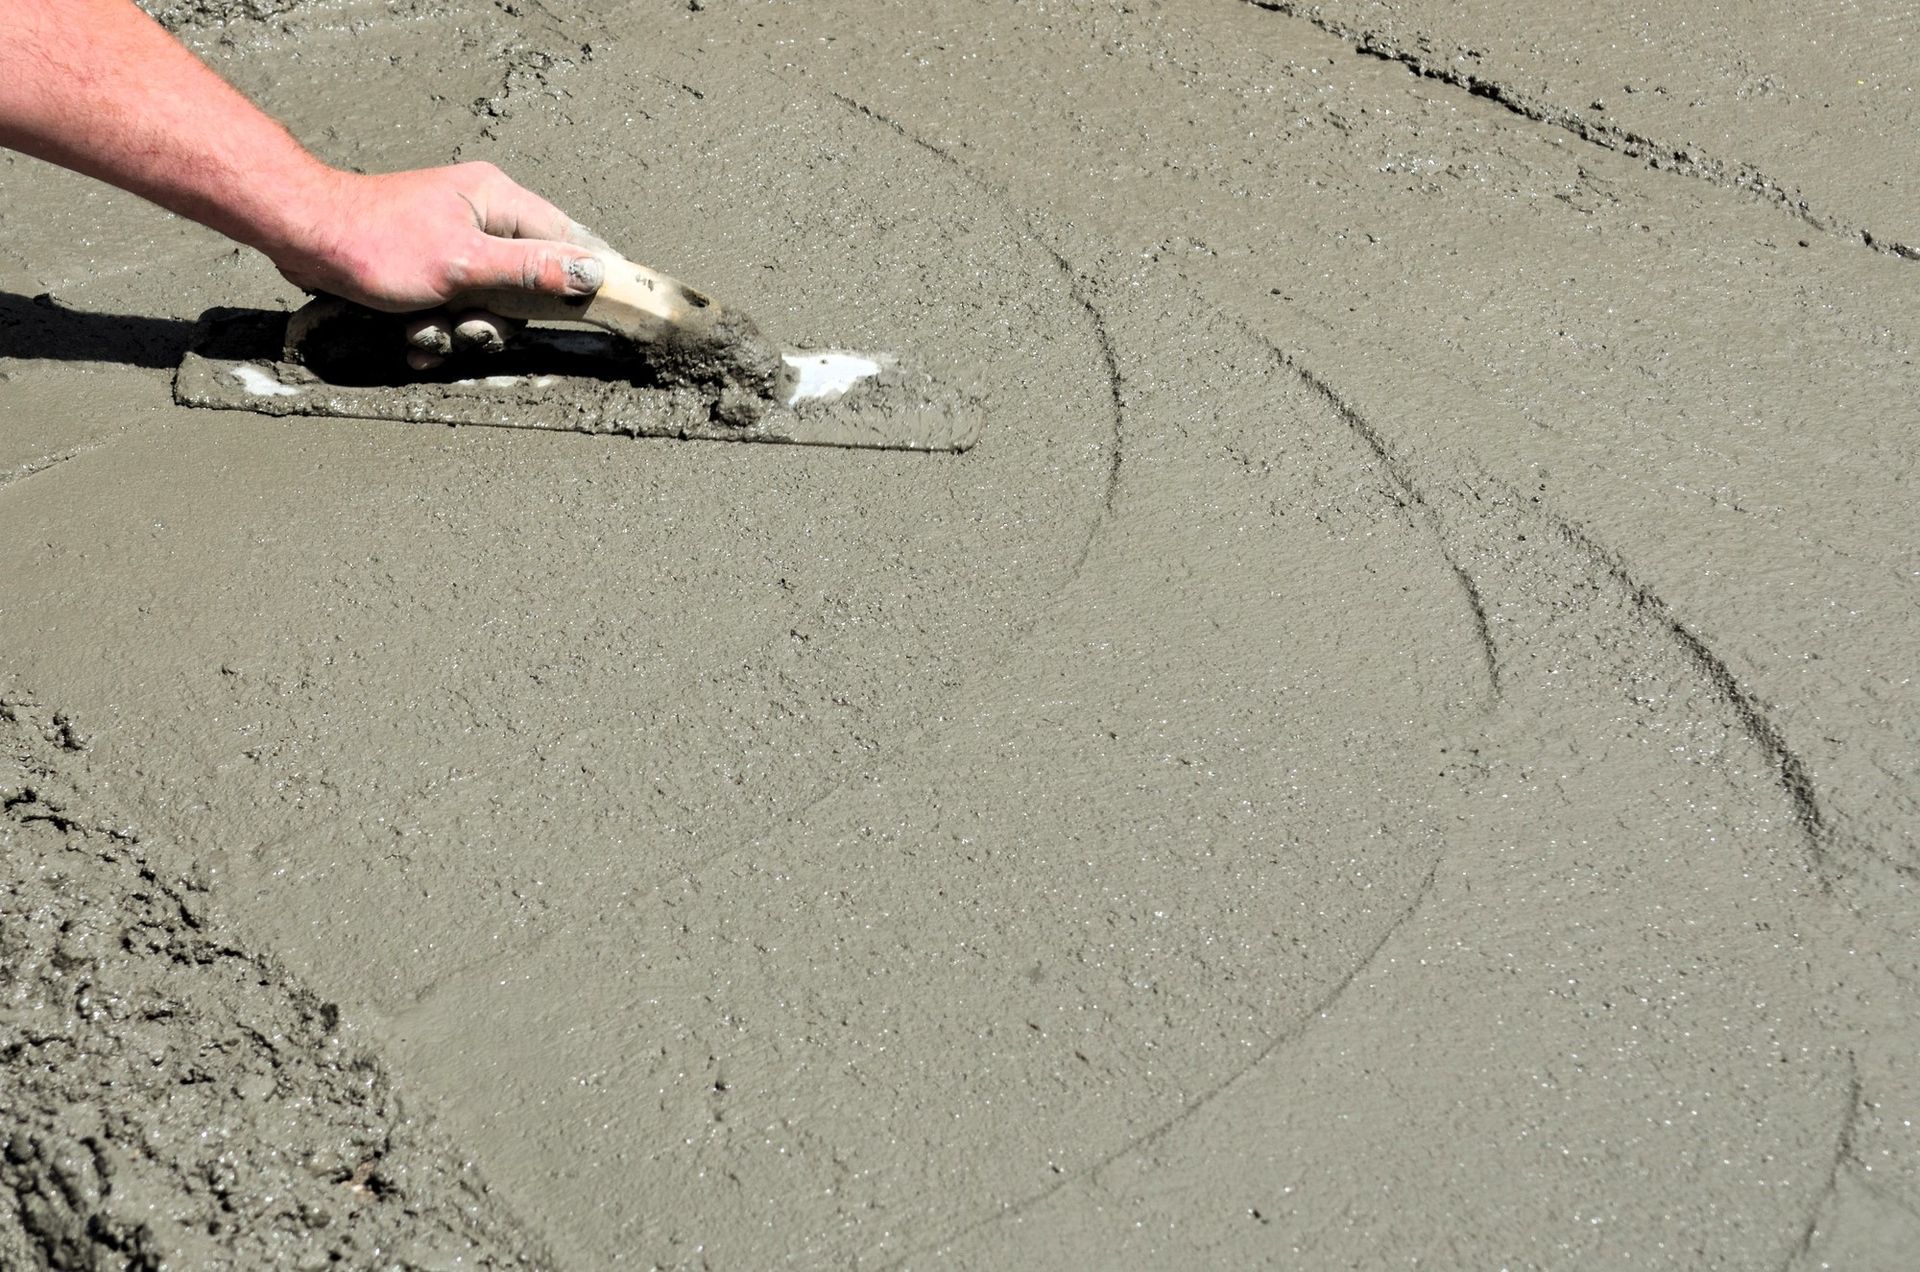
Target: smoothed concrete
1396, 744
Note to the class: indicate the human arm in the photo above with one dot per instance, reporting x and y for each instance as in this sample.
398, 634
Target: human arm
99, 87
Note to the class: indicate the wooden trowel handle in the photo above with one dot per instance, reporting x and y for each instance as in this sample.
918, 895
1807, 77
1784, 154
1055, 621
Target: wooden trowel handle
633, 301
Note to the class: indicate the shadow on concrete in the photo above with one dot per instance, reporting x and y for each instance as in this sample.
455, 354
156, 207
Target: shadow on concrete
39, 327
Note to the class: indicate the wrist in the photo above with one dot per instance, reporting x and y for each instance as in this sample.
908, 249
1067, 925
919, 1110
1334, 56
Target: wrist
298, 225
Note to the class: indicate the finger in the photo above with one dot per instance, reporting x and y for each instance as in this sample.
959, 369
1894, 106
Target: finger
421, 360
478, 330
558, 269
430, 334
510, 210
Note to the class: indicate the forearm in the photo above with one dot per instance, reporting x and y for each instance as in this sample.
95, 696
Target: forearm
99, 87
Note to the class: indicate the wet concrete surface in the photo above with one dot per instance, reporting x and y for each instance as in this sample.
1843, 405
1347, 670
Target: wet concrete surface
1396, 744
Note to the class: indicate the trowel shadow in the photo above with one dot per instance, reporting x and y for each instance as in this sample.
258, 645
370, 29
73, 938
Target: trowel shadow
39, 327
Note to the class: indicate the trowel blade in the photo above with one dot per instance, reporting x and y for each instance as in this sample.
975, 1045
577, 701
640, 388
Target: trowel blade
826, 374
574, 381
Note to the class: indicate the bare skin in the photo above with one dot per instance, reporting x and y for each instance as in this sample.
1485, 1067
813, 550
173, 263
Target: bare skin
99, 87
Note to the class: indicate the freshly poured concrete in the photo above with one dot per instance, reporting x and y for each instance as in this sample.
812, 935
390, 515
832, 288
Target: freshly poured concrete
172, 1101
1396, 744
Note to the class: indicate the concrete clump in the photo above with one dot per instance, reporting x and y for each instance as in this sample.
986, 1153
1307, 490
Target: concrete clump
171, 1100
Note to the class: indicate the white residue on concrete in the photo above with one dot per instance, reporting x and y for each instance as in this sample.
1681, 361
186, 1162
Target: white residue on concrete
258, 382
828, 374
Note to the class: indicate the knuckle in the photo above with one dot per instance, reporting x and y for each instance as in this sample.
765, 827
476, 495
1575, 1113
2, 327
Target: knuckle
478, 180
537, 271
457, 273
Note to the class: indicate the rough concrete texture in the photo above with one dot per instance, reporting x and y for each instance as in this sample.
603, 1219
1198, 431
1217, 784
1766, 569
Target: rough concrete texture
1398, 744
170, 1101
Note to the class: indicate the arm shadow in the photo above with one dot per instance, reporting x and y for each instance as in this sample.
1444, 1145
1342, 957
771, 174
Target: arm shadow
40, 327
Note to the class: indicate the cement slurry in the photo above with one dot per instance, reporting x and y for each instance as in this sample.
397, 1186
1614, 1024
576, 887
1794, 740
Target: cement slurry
1395, 744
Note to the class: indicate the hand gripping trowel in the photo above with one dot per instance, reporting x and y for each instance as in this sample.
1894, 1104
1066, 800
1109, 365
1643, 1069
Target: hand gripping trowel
666, 361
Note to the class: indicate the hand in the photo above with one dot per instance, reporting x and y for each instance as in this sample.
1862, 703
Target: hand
415, 240
100, 87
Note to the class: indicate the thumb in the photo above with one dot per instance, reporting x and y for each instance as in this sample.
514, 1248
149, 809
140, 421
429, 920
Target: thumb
535, 265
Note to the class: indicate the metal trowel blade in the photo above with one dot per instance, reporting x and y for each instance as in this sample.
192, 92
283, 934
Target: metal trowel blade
572, 381
827, 374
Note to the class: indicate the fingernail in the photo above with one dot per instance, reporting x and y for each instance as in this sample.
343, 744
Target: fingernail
479, 333
585, 274
432, 338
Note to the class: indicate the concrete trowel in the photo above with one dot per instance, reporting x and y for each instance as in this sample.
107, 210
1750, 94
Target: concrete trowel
658, 359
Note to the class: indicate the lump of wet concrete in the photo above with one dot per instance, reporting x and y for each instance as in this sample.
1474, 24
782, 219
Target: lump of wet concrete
176, 14
168, 1099
729, 354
